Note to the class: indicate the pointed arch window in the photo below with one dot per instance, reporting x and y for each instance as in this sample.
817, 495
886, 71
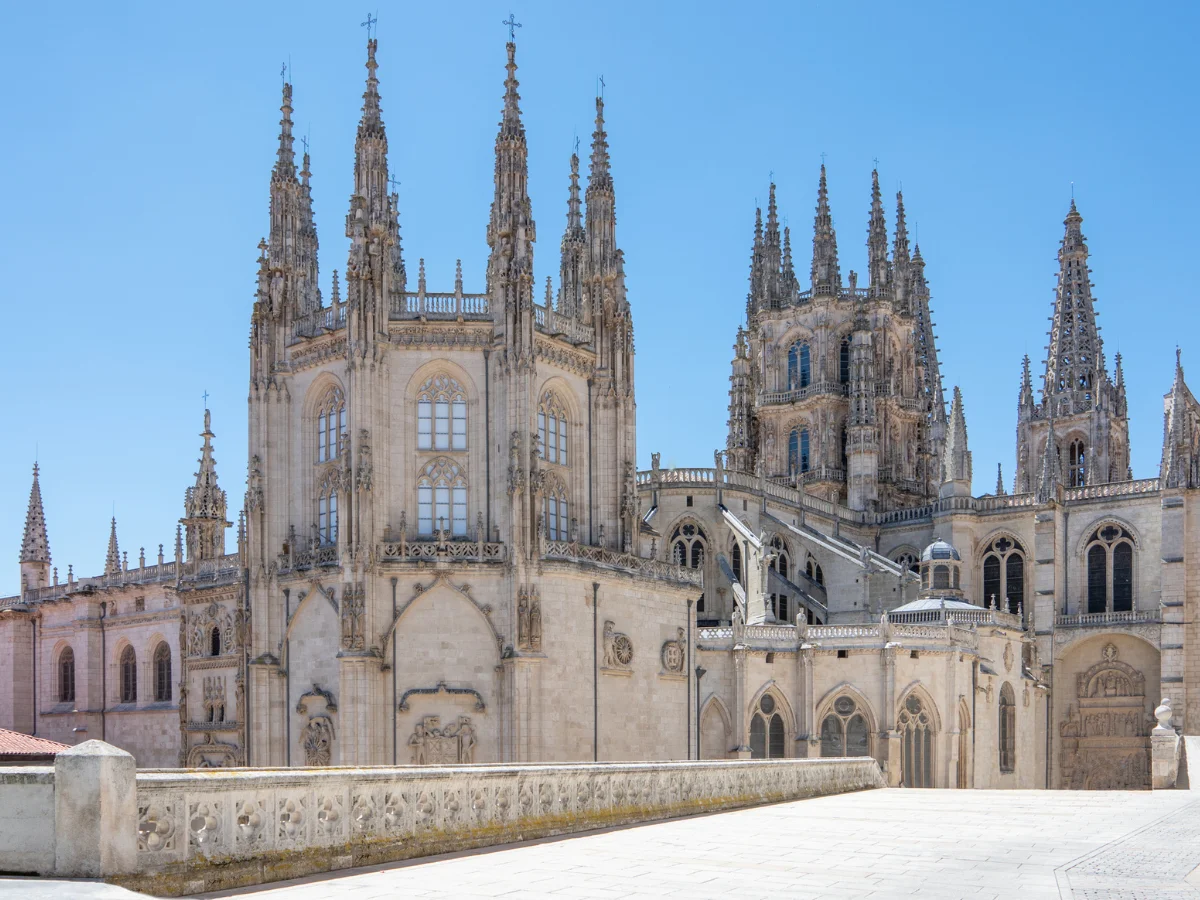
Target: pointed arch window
1004, 574
552, 429
331, 424
214, 641
798, 451
844, 730
1109, 557
162, 673
327, 510
128, 667
916, 743
442, 498
781, 603
1008, 729
558, 522
66, 676
1077, 464
799, 366
736, 561
441, 415
844, 362
812, 569
689, 547
768, 739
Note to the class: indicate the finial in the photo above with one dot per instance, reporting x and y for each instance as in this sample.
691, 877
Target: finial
421, 276
513, 25
370, 25
549, 294
205, 396
458, 279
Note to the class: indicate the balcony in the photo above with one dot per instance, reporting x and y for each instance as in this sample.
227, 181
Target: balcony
1109, 619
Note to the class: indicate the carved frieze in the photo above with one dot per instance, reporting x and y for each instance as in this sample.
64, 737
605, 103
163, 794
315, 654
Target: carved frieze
432, 743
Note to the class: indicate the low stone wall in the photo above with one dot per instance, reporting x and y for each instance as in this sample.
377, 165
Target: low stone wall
185, 831
205, 831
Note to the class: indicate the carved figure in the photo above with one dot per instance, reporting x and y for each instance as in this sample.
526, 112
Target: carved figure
674, 653
353, 603
618, 648
535, 622
317, 741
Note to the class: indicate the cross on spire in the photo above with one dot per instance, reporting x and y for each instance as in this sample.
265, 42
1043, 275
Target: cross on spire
513, 25
393, 183
370, 25
822, 157
304, 141
876, 161
601, 87
205, 395
283, 73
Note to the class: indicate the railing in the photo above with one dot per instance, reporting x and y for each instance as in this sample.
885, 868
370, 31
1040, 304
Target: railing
319, 321
956, 616
223, 568
555, 324
576, 552
326, 555
816, 389
1004, 501
440, 305
1113, 489
1108, 619
418, 550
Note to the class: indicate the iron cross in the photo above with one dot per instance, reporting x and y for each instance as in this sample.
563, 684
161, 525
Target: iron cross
304, 141
205, 395
601, 87
369, 25
393, 183
513, 25
283, 73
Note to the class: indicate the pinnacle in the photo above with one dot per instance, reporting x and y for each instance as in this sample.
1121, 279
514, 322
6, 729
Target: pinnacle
599, 177
510, 123
285, 163
35, 546
112, 560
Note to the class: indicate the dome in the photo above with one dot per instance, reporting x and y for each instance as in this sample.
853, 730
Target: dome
939, 549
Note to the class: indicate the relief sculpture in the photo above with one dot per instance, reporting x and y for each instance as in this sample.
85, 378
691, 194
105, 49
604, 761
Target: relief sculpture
434, 745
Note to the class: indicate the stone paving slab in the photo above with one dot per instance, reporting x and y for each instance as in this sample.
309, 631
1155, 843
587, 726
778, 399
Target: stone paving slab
920, 845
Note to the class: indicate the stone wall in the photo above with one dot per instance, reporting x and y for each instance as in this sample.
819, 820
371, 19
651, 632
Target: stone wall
27, 819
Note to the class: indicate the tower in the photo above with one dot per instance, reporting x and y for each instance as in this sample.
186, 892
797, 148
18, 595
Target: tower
35, 545
205, 506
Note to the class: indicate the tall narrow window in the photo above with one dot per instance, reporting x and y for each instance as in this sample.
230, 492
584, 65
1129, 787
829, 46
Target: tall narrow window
993, 593
793, 368
1122, 577
552, 429
941, 577
916, 743
1008, 729
805, 366
162, 673
799, 366
1077, 465
442, 498
781, 564
331, 424
768, 739
1004, 574
736, 561
1015, 582
327, 510
66, 676
798, 451
558, 523
441, 415
214, 641
128, 675
1097, 586
844, 362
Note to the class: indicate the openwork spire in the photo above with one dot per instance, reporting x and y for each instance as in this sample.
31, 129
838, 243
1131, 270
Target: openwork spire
570, 288
1075, 361
900, 244
112, 559
35, 545
285, 162
204, 504
956, 462
877, 248
826, 277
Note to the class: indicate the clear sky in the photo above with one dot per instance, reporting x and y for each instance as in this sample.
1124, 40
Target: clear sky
138, 141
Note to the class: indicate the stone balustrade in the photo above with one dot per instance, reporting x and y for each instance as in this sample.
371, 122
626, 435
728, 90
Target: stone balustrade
1108, 619
172, 832
638, 565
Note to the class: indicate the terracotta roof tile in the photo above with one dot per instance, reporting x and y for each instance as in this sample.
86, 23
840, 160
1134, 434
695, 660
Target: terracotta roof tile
13, 743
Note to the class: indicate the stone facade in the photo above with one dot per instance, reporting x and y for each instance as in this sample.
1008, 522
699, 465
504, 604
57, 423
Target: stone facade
446, 554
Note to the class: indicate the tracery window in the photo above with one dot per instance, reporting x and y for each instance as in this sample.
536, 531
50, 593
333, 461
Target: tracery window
689, 548
798, 451
799, 366
736, 561
442, 498
441, 415
1110, 570
162, 673
552, 429
1076, 464
1004, 574
767, 737
844, 730
66, 676
1008, 729
327, 510
331, 424
782, 565
908, 561
128, 667
844, 362
812, 569
916, 743
558, 524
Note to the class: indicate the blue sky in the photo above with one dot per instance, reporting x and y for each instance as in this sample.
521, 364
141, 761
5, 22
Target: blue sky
139, 139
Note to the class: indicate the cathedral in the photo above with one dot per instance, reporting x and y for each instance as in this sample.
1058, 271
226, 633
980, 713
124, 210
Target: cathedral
445, 553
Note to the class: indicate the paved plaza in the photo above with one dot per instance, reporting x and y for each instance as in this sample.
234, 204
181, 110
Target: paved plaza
982, 845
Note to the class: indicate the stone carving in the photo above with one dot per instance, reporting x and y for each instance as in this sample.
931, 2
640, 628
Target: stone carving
156, 827
1008, 657
516, 474
529, 619
434, 745
254, 489
442, 688
674, 654
317, 741
363, 479
618, 648
353, 607
316, 692
213, 754
214, 698
1163, 713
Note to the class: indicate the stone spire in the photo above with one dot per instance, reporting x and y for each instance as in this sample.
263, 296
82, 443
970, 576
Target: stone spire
511, 231
35, 545
285, 162
956, 460
900, 257
789, 271
877, 244
1051, 475
1026, 398
773, 256
1180, 466
1075, 359
204, 505
757, 296
574, 245
741, 443
1000, 492
826, 277
929, 369
601, 202
112, 560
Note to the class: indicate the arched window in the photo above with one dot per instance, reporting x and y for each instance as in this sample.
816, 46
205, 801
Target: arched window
767, 736
66, 676
799, 367
736, 561
916, 743
812, 569
558, 524
442, 498
844, 362
941, 577
782, 565
1076, 464
1110, 570
689, 548
552, 429
845, 446
798, 456
331, 424
162, 673
908, 561
327, 509
214, 641
1008, 729
128, 675
844, 730
441, 415
993, 589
